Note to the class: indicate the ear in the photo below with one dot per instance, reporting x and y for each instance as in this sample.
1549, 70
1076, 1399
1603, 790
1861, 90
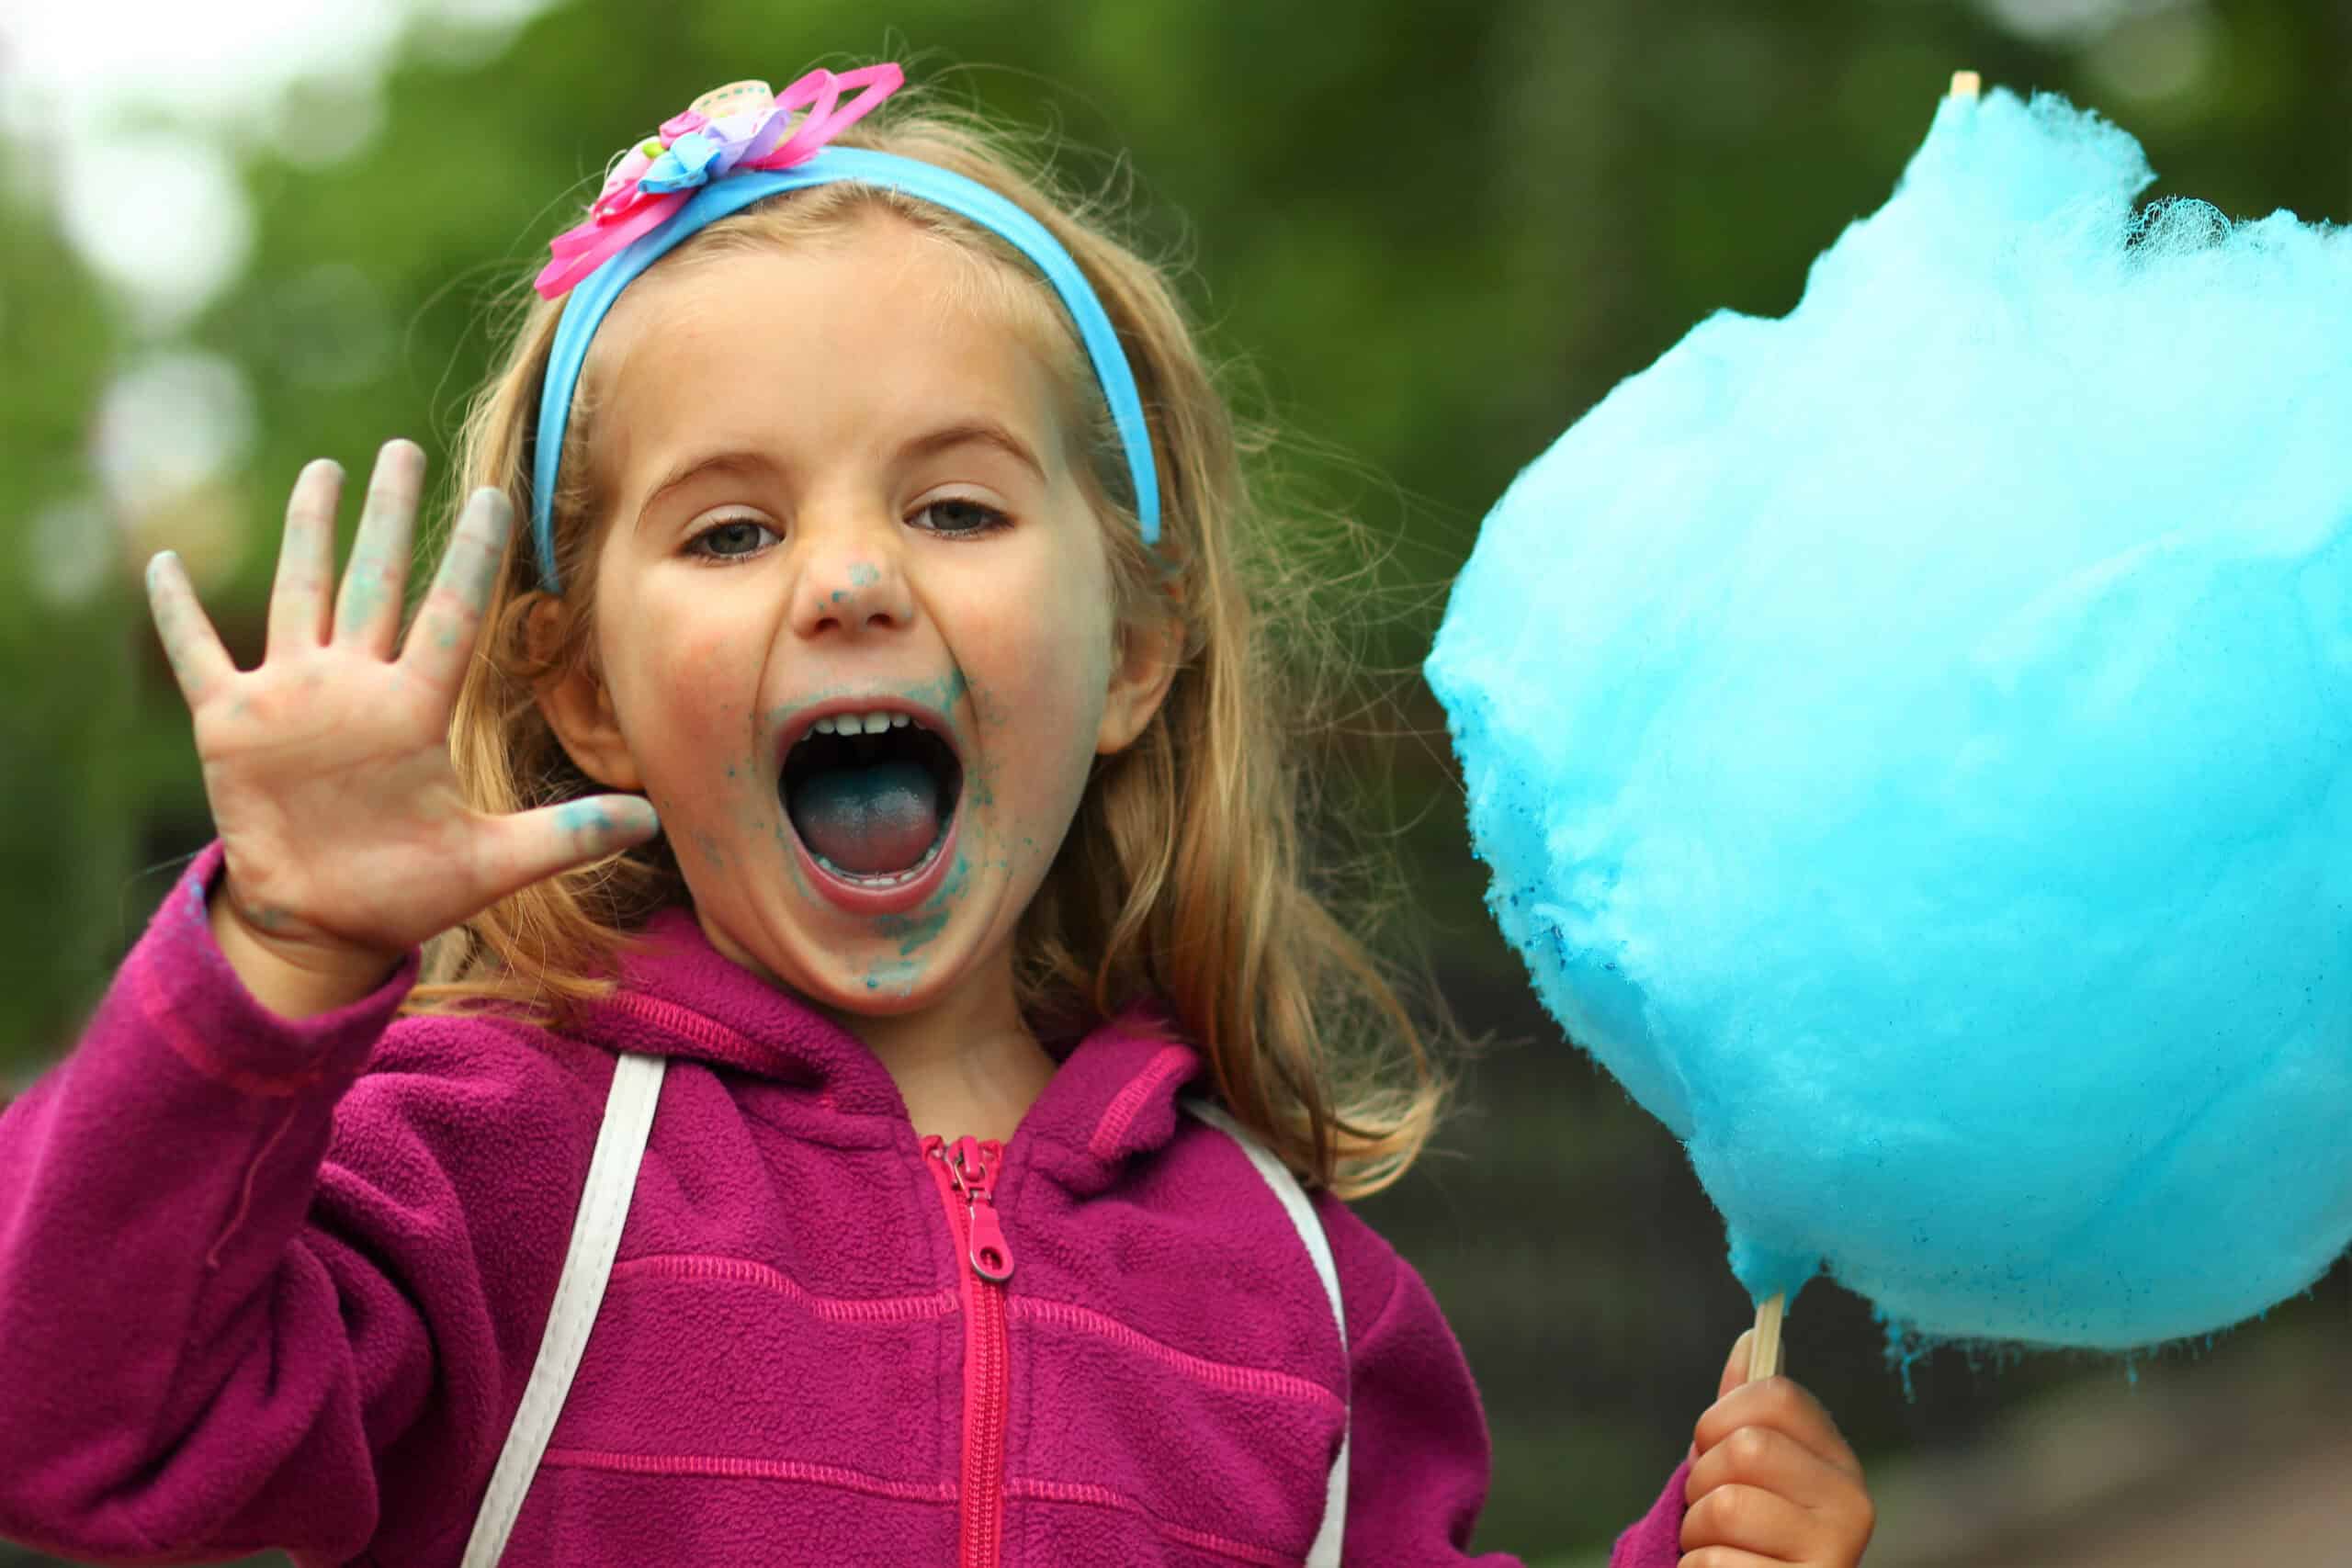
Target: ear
578, 709
1151, 653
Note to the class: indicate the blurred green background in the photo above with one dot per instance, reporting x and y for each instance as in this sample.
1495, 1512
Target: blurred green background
1425, 238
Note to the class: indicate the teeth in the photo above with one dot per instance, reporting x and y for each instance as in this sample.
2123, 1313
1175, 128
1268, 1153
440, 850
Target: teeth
893, 880
860, 723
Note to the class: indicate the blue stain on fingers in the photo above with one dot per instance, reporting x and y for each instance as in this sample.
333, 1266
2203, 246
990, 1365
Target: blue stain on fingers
169, 622
606, 819
469, 569
380, 554
185, 634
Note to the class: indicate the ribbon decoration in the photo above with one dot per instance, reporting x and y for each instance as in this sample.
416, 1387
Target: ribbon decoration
740, 126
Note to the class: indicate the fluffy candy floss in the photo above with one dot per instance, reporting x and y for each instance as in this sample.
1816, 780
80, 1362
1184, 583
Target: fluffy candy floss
1913, 743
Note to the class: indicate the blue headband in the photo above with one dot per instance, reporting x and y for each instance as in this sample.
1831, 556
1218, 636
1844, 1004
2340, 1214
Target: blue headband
589, 301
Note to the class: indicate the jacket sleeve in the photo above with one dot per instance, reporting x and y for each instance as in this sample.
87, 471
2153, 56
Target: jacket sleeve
1655, 1540
237, 1287
1418, 1455
1420, 1460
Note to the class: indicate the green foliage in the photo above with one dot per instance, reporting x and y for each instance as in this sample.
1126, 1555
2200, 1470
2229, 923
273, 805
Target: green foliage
67, 804
1424, 237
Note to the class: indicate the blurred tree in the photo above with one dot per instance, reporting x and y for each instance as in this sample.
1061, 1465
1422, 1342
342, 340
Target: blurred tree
68, 795
1424, 238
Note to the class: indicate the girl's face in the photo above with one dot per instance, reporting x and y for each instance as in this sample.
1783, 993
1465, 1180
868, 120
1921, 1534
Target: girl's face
840, 488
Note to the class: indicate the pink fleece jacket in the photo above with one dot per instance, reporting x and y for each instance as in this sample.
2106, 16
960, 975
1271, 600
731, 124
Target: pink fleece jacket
280, 1284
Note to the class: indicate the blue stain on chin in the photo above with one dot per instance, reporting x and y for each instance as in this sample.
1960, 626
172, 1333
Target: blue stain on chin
913, 930
916, 931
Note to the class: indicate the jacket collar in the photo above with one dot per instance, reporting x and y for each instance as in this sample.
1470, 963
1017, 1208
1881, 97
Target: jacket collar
1111, 1099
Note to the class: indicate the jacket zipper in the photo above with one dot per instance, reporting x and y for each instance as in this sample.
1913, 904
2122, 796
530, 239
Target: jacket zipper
965, 1172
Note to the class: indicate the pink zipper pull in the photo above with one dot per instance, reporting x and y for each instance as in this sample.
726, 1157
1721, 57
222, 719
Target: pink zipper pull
991, 1255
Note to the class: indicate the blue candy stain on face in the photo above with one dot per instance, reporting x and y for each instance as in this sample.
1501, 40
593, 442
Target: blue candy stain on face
940, 696
916, 929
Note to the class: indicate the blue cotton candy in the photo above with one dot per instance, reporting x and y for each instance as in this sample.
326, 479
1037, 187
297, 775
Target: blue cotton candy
1913, 743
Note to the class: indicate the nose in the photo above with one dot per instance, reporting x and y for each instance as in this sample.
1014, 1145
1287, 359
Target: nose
852, 582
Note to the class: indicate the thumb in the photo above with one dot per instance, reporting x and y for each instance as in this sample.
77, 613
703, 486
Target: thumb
533, 845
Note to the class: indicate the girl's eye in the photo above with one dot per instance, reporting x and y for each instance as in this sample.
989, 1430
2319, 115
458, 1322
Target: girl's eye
730, 540
961, 514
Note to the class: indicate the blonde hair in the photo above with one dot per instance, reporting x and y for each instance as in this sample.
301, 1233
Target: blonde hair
1181, 878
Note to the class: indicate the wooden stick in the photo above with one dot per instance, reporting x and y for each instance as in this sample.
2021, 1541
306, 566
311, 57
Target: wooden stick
1966, 84
1764, 1350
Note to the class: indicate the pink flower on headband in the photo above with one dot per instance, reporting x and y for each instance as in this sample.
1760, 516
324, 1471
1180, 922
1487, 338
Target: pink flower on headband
740, 126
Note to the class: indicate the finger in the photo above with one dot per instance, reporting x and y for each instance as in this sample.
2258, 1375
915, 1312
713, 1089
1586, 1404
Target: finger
1750, 1520
443, 638
199, 663
1735, 1373
297, 600
1758, 1456
532, 846
1727, 1557
1784, 1405
1735, 1369
367, 613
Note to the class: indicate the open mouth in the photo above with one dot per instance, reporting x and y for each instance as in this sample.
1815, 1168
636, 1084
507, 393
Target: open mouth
872, 796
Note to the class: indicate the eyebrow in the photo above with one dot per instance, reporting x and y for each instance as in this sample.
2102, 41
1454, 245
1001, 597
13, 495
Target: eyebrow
733, 460
743, 461
974, 432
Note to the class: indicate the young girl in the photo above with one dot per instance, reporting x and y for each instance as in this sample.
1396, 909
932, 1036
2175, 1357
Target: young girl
922, 1121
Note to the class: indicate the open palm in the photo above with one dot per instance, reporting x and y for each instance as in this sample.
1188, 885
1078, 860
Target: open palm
342, 820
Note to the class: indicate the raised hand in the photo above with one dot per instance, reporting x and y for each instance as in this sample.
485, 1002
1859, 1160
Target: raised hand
348, 839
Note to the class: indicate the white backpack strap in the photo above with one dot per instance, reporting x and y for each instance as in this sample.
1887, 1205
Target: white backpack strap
595, 1237
1325, 1552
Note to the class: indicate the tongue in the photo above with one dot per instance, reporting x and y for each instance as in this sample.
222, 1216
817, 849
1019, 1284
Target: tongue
869, 820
